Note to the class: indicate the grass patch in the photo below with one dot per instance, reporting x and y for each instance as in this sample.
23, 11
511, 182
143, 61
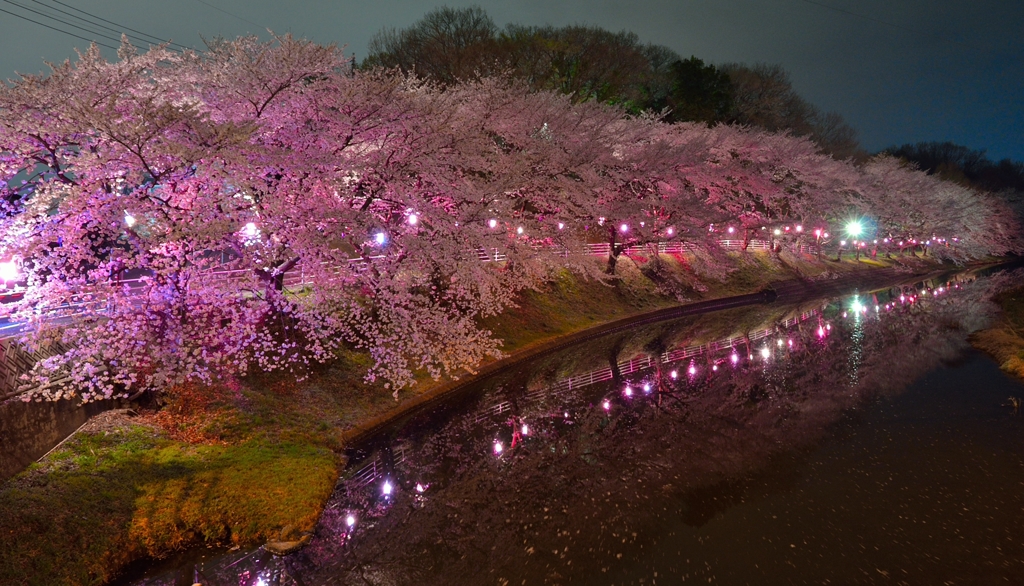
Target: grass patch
106, 498
1004, 340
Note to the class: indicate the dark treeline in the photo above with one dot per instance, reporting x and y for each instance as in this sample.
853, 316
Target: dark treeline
963, 165
590, 63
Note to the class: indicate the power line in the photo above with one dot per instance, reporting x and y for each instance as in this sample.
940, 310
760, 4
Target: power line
121, 27
229, 14
57, 29
71, 24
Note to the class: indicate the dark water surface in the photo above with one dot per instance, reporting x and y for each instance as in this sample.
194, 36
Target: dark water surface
850, 441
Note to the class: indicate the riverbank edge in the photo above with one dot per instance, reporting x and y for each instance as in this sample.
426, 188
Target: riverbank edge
788, 291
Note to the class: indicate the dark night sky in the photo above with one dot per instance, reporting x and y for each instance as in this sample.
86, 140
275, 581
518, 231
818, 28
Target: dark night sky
898, 71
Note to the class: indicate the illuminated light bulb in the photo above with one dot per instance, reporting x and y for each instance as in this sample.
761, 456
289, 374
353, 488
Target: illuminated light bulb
386, 489
607, 405
828, 327
787, 228
566, 414
903, 298
854, 228
641, 224
129, 220
821, 332
731, 229
498, 448
674, 374
765, 352
380, 238
671, 231
561, 225
9, 271
877, 308
250, 229
876, 241
780, 343
413, 219
525, 430
492, 223
647, 388
735, 358
519, 230
692, 370
714, 367
825, 234
600, 221
624, 228
629, 391
420, 488
777, 232
799, 228
789, 342
842, 243
844, 314
350, 520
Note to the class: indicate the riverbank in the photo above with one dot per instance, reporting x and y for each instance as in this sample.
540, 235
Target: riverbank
256, 460
1004, 341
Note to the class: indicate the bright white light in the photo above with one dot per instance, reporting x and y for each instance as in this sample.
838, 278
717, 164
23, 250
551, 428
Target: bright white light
854, 228
525, 429
731, 229
825, 234
600, 221
9, 271
129, 219
624, 228
350, 520
519, 230
674, 374
735, 358
714, 367
386, 489
380, 238
856, 306
817, 233
671, 231
413, 219
561, 225
692, 369
765, 352
647, 388
821, 332
420, 488
780, 343
629, 391
498, 447
250, 230
799, 228
842, 243
607, 405
777, 231
789, 342
492, 223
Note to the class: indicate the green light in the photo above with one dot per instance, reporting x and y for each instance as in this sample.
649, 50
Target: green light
854, 228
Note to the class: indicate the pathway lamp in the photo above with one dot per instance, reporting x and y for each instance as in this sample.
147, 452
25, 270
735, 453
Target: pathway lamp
854, 228
380, 238
9, 272
129, 220
624, 228
670, 231
561, 225
386, 488
350, 521
413, 219
492, 223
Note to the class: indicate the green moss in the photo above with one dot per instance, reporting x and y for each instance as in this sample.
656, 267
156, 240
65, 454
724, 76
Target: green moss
103, 500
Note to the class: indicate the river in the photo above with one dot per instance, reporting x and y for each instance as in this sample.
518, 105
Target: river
850, 440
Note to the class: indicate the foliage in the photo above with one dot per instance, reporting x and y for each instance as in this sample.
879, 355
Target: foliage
212, 177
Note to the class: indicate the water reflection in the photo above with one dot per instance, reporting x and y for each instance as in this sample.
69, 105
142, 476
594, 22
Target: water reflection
580, 465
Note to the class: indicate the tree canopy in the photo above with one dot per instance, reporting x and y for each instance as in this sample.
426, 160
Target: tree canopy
260, 205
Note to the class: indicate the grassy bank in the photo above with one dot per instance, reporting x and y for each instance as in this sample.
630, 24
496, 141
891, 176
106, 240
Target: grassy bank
1005, 339
241, 462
